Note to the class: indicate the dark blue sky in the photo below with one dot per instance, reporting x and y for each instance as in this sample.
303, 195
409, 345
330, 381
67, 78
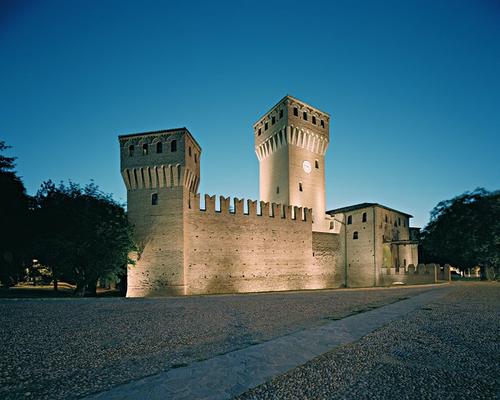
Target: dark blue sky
413, 88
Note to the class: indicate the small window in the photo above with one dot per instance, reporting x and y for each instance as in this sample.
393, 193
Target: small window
300, 186
131, 150
260, 131
316, 164
295, 111
277, 190
331, 225
266, 125
386, 219
195, 158
314, 120
281, 114
154, 199
399, 221
355, 235
273, 120
322, 123
364, 217
173, 146
349, 220
304, 115
404, 262
189, 151
159, 147
404, 223
145, 148
395, 222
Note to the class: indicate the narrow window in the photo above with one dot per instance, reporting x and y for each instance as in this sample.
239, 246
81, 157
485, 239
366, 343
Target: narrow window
300, 186
316, 164
404, 262
322, 123
154, 199
145, 148
349, 220
386, 218
260, 131
281, 114
266, 125
173, 146
364, 217
273, 120
131, 150
304, 115
399, 221
195, 158
404, 223
277, 190
159, 147
395, 222
355, 235
331, 225
295, 111
189, 151
314, 120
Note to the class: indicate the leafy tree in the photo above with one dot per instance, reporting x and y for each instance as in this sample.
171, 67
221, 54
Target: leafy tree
465, 232
14, 228
82, 234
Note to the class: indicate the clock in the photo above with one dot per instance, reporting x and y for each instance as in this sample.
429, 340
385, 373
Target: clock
307, 167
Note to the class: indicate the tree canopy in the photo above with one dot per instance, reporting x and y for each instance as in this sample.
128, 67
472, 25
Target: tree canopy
81, 234
465, 231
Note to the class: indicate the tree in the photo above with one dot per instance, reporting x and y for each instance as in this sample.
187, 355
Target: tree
465, 232
82, 234
14, 227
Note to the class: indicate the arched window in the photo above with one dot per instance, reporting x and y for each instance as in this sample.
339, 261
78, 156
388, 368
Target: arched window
316, 164
159, 147
296, 111
304, 115
154, 199
364, 217
300, 186
131, 150
355, 235
189, 151
145, 148
173, 146
349, 220
386, 218
195, 158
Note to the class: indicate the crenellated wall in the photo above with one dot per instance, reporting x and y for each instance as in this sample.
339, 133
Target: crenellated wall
421, 274
260, 247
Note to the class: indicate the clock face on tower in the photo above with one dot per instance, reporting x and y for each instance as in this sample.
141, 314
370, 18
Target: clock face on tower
307, 167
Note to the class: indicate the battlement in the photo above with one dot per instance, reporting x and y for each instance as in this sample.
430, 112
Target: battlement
159, 176
251, 208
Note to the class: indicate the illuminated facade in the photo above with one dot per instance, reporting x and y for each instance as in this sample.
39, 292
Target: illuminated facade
285, 241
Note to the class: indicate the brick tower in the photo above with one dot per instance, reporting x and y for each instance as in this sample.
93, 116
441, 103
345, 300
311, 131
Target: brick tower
160, 170
290, 142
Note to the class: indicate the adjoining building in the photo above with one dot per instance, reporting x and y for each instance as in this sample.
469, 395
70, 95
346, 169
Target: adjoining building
285, 241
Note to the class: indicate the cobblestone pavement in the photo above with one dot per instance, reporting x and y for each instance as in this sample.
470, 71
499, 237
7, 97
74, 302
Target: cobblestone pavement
69, 348
447, 350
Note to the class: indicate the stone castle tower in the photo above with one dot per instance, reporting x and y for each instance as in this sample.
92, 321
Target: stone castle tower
290, 142
160, 170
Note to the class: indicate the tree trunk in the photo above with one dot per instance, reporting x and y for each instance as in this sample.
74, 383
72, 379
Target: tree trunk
80, 289
55, 284
92, 288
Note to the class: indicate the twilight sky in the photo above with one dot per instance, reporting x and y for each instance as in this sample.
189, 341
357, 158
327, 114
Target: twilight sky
413, 88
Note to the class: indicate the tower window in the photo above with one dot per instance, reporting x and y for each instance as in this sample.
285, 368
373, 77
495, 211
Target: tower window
316, 164
154, 199
355, 235
273, 120
364, 217
260, 131
277, 190
386, 218
404, 262
159, 147
349, 220
322, 123
295, 111
300, 186
173, 146
131, 150
304, 115
195, 158
399, 221
281, 114
145, 148
331, 225
314, 120
189, 151
266, 125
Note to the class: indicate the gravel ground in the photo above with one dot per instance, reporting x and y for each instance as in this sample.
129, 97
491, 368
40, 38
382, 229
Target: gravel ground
447, 350
68, 348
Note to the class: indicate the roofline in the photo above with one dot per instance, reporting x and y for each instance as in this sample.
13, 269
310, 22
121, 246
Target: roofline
293, 98
150, 133
371, 205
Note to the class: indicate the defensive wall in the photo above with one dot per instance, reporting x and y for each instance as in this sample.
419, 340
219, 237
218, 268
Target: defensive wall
421, 274
254, 246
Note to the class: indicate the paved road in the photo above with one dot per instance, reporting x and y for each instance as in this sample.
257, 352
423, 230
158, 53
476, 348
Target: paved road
448, 350
69, 348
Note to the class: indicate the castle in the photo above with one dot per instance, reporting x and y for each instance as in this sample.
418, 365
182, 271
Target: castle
285, 241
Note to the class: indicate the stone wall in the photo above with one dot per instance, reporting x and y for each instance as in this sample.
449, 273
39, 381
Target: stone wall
421, 274
233, 250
